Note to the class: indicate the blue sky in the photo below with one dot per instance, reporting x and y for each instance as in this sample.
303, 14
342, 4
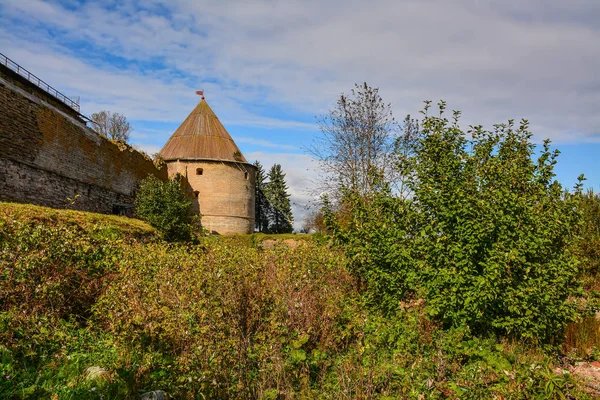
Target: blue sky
269, 67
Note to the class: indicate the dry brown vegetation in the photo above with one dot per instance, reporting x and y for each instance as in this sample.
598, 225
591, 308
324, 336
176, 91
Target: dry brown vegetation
83, 292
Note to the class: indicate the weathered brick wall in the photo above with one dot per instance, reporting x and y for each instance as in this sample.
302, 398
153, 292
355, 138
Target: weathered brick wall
225, 193
48, 154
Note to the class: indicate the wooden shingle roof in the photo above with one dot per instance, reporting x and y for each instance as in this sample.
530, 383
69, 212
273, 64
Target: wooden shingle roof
202, 137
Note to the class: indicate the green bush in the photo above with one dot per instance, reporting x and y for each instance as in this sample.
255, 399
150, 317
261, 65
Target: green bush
230, 323
165, 206
587, 247
79, 293
54, 265
485, 236
56, 270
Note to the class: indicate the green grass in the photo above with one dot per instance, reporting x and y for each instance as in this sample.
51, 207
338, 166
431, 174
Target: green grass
32, 214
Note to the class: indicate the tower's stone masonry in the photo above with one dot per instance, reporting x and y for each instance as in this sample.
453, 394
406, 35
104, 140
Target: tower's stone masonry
219, 180
225, 193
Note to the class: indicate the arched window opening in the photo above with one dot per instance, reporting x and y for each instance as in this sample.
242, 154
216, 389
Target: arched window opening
246, 175
199, 171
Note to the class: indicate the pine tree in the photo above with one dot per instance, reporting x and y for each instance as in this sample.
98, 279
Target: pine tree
261, 205
281, 209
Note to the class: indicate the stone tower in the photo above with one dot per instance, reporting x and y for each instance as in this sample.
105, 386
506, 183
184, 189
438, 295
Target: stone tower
220, 180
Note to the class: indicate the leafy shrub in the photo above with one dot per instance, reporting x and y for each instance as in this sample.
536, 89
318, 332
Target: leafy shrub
54, 265
233, 323
414, 359
54, 269
165, 206
81, 292
484, 237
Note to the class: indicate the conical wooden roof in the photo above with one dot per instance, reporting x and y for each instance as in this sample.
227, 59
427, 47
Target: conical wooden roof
202, 136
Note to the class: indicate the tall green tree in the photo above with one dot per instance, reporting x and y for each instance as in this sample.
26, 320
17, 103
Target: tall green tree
280, 217
485, 237
261, 205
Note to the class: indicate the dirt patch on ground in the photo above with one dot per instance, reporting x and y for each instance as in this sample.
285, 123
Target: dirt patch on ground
271, 243
587, 373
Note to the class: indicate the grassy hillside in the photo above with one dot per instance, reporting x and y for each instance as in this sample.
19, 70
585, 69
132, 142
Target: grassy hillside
14, 213
96, 306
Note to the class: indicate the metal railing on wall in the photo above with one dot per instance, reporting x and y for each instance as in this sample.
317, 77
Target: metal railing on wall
7, 62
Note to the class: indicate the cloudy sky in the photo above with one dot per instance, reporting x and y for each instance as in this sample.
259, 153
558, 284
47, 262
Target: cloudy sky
269, 67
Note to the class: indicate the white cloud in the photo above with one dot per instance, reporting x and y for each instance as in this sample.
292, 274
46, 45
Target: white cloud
274, 64
492, 60
263, 143
148, 148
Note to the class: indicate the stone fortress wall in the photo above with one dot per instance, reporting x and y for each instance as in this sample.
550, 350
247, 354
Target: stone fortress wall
48, 156
222, 192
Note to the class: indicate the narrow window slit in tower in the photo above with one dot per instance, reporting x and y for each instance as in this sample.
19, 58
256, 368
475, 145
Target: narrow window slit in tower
196, 193
199, 171
246, 175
